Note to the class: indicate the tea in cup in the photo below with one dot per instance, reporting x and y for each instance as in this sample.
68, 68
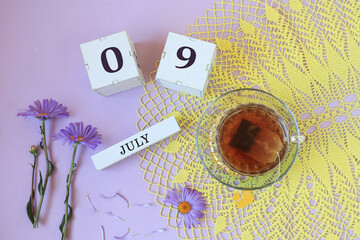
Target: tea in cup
247, 139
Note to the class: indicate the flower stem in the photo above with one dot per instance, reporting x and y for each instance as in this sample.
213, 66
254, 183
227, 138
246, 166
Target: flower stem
47, 173
33, 176
67, 216
30, 206
33, 183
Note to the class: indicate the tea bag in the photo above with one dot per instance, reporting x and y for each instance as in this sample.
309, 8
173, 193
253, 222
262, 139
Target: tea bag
244, 136
247, 164
257, 142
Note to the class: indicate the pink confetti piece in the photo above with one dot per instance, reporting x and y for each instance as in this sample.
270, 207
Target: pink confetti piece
123, 237
102, 232
91, 204
114, 216
156, 231
142, 204
114, 195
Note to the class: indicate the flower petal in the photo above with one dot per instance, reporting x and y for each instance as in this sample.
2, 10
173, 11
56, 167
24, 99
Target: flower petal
194, 198
187, 221
194, 219
45, 110
196, 213
180, 221
74, 131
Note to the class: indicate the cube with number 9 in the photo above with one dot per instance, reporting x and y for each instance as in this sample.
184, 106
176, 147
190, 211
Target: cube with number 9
186, 64
112, 64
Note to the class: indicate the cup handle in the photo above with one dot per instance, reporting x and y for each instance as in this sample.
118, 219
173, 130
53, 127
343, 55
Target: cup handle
298, 138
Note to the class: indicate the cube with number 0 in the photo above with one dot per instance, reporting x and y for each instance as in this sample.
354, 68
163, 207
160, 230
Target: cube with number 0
112, 64
185, 64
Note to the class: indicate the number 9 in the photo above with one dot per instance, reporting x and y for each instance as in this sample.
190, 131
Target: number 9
190, 59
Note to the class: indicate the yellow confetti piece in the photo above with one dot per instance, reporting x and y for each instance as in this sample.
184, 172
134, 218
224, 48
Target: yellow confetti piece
243, 198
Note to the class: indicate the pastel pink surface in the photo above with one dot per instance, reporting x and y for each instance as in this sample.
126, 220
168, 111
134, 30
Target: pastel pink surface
41, 58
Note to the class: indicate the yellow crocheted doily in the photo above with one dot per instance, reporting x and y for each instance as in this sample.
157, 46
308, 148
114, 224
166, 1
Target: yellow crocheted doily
306, 53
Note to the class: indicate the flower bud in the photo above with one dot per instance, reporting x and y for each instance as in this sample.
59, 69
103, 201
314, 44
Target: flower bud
33, 149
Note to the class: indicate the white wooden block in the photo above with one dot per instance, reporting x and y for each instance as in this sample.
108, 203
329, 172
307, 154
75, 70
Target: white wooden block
135, 143
112, 64
185, 64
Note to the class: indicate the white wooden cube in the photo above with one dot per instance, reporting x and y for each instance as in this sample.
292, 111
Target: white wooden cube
112, 64
185, 64
135, 143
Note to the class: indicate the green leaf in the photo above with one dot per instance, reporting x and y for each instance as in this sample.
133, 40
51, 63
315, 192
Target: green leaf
41, 187
61, 226
66, 198
29, 210
41, 144
32, 165
51, 168
70, 213
41, 130
74, 167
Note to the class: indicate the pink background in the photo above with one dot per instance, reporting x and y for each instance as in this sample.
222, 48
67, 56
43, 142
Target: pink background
41, 58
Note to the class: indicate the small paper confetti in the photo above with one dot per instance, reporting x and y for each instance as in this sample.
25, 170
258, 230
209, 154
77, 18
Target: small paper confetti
156, 231
114, 195
129, 237
243, 198
142, 204
123, 237
91, 204
115, 216
102, 232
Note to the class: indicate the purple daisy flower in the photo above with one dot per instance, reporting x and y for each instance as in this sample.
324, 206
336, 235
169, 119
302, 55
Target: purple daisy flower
76, 133
189, 203
47, 110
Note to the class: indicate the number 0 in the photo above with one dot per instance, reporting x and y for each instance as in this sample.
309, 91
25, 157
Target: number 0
190, 59
105, 62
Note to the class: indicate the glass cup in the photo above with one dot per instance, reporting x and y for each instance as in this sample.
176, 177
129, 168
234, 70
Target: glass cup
211, 153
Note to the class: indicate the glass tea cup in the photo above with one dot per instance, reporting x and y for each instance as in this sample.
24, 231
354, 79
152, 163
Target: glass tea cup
247, 139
